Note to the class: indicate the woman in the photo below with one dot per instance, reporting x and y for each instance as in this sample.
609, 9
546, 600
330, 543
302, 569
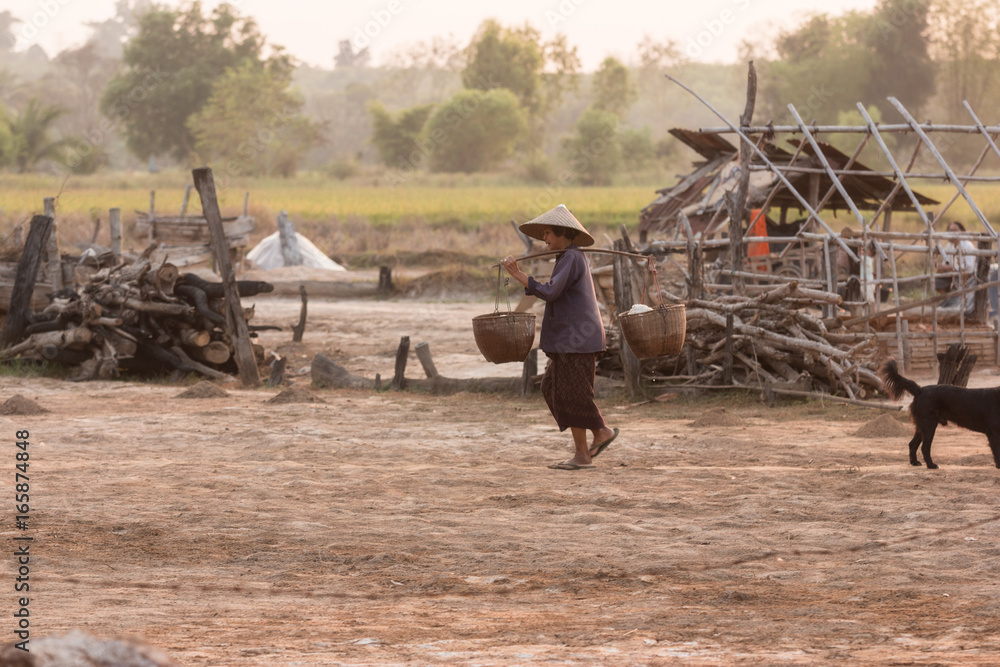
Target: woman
958, 258
572, 333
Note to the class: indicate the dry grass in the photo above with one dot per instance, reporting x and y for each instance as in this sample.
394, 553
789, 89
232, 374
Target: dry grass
468, 215
363, 223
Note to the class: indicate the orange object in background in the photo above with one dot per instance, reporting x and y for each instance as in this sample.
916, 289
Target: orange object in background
758, 227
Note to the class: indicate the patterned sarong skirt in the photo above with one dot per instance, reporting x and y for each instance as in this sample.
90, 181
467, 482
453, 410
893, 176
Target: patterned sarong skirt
568, 388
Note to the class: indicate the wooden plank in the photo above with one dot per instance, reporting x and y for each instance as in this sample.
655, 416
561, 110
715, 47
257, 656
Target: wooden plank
192, 230
622, 303
246, 362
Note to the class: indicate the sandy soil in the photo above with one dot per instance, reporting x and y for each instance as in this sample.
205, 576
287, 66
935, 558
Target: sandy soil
389, 528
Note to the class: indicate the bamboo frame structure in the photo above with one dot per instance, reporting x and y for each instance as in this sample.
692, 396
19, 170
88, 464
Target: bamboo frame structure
796, 179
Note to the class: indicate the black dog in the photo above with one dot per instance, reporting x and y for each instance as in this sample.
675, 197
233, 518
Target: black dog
975, 409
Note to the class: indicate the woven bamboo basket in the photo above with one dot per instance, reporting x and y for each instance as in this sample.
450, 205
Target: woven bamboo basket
655, 333
504, 337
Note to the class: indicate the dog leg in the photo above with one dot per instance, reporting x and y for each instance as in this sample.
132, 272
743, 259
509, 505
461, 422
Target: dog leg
927, 430
995, 448
913, 448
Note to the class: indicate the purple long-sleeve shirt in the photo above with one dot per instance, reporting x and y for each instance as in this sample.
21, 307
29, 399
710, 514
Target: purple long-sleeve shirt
572, 320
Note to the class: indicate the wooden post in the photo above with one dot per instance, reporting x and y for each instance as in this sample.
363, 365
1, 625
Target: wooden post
187, 196
736, 203
384, 280
245, 360
246, 202
289, 243
623, 302
628, 242
727, 359
907, 355
24, 280
402, 352
115, 223
831, 279
423, 351
300, 328
895, 298
981, 300
54, 268
277, 372
696, 286
528, 373
152, 216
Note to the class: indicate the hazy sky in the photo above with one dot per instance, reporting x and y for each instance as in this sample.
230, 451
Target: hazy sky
708, 30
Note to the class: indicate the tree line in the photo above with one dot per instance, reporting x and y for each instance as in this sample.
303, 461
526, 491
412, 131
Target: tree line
189, 86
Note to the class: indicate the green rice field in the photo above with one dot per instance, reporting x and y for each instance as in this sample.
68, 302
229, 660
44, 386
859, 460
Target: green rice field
363, 215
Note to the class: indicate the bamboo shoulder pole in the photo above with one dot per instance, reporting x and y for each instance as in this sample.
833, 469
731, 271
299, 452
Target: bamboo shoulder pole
549, 253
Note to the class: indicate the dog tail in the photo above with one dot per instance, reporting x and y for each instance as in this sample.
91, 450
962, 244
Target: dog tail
896, 384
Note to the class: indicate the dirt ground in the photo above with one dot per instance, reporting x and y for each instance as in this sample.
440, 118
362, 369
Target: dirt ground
391, 528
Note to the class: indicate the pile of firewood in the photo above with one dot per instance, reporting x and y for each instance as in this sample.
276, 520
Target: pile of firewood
136, 316
776, 339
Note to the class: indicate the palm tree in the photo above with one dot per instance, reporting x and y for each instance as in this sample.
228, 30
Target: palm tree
31, 134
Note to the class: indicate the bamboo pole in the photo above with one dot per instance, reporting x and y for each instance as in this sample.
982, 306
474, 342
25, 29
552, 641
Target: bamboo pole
821, 156
549, 253
918, 304
901, 179
886, 205
968, 177
944, 164
835, 129
895, 294
765, 160
930, 176
736, 200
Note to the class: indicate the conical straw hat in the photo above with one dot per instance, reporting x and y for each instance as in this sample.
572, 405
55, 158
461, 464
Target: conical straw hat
557, 217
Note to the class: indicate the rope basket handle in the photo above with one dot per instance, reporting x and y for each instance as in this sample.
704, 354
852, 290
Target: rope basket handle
505, 282
651, 269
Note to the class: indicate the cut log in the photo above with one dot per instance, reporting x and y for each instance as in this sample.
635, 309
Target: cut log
402, 352
197, 296
298, 330
214, 290
215, 352
423, 351
166, 278
75, 338
328, 373
191, 364
194, 337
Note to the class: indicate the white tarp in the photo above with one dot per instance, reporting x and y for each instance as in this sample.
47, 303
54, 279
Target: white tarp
267, 254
